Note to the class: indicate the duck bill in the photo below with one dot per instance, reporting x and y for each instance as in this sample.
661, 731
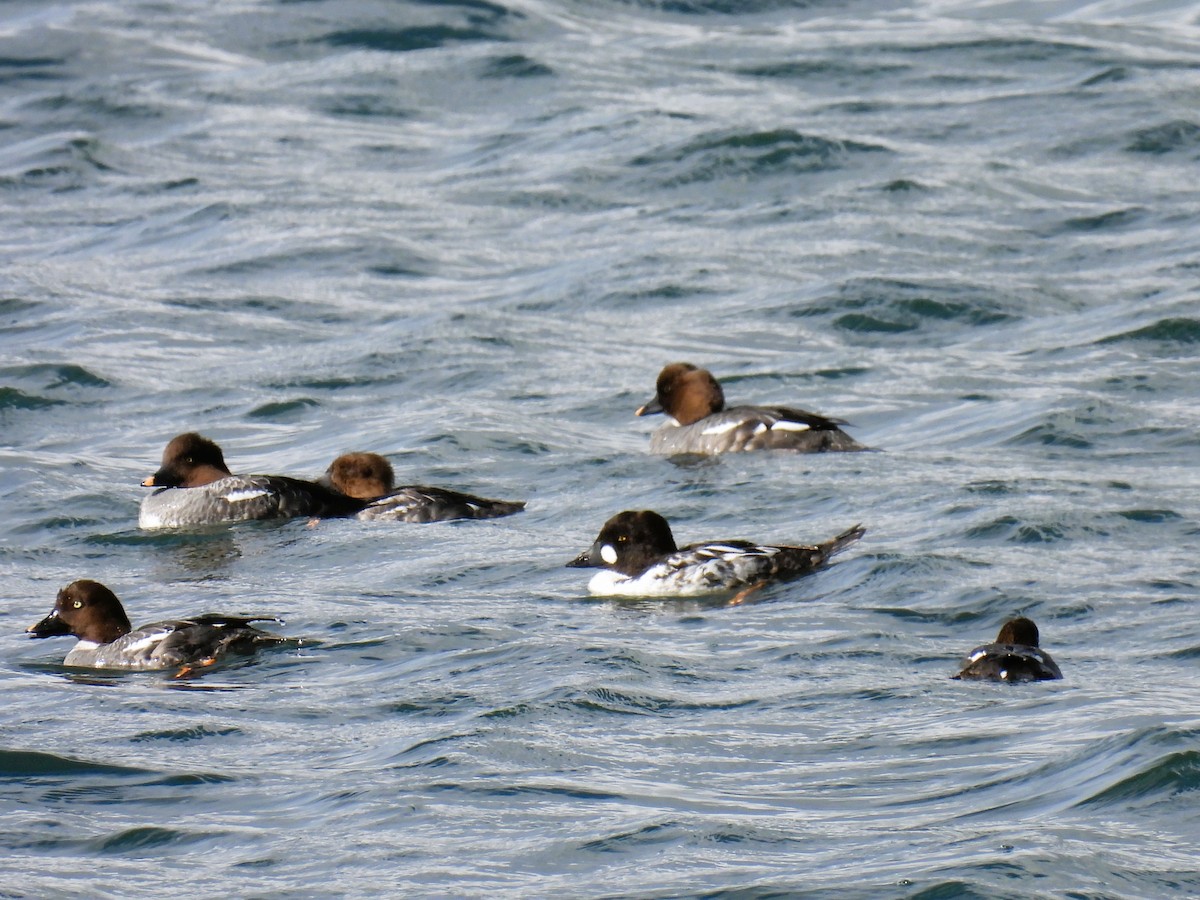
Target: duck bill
649, 409
162, 478
50, 626
588, 559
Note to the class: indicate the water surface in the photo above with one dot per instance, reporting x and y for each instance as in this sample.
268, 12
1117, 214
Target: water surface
468, 235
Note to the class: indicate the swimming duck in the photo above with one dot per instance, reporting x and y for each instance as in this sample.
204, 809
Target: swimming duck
698, 421
368, 476
637, 555
197, 488
1014, 657
91, 612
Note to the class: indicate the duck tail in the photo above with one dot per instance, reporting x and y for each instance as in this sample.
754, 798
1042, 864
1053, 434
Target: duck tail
842, 541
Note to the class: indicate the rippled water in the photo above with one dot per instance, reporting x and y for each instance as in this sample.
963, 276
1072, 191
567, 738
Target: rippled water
468, 235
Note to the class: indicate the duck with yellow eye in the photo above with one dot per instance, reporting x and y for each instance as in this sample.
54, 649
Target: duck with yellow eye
106, 640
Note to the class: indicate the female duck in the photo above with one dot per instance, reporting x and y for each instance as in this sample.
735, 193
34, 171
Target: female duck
698, 421
197, 488
91, 612
369, 477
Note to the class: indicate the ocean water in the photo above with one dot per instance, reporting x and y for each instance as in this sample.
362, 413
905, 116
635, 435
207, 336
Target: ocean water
468, 235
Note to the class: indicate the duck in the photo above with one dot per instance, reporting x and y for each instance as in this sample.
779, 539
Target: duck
698, 422
195, 487
370, 477
91, 612
1014, 657
637, 556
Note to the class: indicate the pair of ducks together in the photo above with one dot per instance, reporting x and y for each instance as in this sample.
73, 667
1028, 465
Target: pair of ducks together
635, 550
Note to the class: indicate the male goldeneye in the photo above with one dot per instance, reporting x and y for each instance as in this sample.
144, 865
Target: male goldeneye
368, 476
197, 488
91, 612
1015, 656
698, 421
637, 552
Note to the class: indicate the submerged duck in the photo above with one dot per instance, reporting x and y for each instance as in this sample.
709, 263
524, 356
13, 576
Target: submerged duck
91, 612
638, 556
368, 476
197, 488
1014, 657
698, 421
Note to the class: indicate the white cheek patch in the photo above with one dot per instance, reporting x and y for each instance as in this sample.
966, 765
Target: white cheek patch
244, 494
722, 428
1004, 674
785, 425
608, 553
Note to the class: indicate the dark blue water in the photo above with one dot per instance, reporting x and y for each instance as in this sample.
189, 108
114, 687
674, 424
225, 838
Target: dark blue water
468, 235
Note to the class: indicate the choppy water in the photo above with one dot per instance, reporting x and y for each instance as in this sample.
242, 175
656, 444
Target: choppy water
468, 235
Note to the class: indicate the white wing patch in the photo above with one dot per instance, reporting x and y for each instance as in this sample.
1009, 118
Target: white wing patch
147, 643
240, 496
788, 425
722, 428
714, 552
724, 550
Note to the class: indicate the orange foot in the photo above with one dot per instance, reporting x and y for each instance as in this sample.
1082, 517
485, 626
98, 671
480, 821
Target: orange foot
185, 671
740, 597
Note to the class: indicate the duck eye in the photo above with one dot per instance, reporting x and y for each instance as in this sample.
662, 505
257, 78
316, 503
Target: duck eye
622, 538
187, 460
78, 604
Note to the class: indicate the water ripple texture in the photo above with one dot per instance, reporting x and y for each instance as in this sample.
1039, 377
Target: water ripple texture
468, 234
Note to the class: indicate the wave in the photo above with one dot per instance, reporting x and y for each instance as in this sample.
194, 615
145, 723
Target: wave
755, 154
